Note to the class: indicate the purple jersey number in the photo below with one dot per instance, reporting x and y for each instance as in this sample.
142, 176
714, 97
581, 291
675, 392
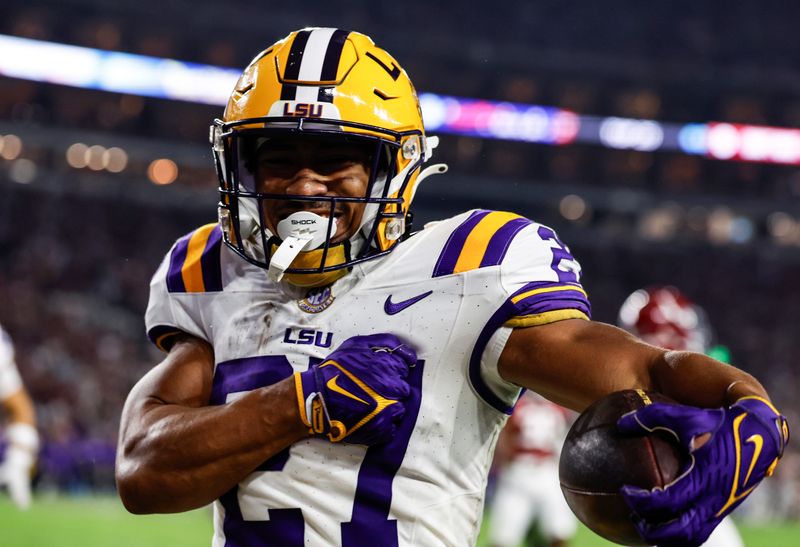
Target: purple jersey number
285, 526
369, 523
560, 253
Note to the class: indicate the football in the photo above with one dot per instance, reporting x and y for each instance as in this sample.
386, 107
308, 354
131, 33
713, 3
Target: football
597, 461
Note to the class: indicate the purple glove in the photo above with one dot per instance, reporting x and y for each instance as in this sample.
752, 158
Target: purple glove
356, 394
747, 439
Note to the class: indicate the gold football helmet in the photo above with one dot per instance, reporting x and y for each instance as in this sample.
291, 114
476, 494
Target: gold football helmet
322, 83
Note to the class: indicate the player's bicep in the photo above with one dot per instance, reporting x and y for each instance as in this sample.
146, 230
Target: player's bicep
575, 362
183, 378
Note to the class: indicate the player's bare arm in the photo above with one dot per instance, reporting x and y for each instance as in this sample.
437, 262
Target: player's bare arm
177, 453
575, 362
719, 406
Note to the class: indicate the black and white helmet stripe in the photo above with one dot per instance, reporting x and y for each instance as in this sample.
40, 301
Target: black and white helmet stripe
314, 57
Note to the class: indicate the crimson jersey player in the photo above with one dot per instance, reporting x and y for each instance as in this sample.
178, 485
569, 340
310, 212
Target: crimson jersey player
665, 317
528, 493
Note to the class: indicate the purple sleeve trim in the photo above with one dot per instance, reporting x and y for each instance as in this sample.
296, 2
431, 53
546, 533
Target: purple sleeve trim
550, 301
505, 312
163, 336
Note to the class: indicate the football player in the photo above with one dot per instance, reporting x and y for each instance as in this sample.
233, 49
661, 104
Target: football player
664, 316
528, 493
332, 378
16, 469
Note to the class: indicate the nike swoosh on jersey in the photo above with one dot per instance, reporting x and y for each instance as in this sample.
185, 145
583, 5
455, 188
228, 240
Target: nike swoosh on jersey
334, 386
392, 308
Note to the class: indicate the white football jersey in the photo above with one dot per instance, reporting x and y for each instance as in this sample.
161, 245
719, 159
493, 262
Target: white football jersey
445, 291
10, 382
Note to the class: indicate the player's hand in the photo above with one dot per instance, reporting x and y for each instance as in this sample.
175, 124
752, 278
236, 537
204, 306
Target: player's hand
746, 440
356, 394
15, 474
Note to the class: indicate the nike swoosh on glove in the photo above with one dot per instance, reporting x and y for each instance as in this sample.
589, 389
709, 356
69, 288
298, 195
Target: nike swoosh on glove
356, 394
747, 439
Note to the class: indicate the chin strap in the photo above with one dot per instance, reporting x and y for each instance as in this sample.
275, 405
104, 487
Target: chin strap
286, 253
299, 231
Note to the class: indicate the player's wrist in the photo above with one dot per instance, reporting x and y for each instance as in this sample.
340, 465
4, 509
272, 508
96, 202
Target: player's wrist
743, 389
774, 422
757, 404
310, 404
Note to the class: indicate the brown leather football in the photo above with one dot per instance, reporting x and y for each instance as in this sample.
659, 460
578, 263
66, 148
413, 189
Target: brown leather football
597, 461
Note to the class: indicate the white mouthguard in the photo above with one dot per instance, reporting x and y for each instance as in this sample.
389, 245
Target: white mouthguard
299, 231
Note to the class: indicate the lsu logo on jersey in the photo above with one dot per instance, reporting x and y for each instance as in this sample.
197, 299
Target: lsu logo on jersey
308, 337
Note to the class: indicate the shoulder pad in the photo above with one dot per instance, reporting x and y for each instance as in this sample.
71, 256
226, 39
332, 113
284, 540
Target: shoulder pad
194, 262
481, 240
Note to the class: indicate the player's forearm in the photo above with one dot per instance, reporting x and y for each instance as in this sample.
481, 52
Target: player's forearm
698, 380
175, 458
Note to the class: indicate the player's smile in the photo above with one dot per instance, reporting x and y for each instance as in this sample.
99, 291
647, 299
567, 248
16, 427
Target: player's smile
309, 167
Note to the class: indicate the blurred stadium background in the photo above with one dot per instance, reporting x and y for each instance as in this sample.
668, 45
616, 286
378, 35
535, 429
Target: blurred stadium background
662, 141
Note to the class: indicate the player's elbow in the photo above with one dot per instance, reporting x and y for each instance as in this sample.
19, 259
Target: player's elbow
133, 503
132, 489
129, 474
145, 490
137, 483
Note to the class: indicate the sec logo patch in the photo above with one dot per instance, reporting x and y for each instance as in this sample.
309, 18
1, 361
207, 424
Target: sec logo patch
316, 300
